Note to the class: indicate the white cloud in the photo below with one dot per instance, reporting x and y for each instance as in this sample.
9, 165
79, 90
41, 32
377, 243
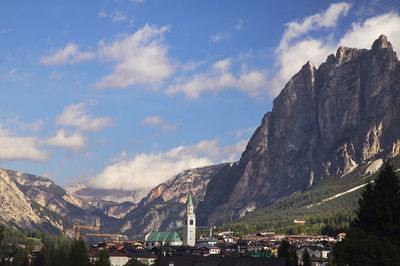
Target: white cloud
320, 20
169, 127
145, 171
116, 16
141, 58
152, 120
294, 57
72, 142
20, 148
69, 54
239, 133
218, 78
294, 50
362, 35
32, 127
220, 37
76, 115
252, 82
192, 65
239, 25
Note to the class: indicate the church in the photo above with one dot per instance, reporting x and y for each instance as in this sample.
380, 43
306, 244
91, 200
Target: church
189, 225
157, 239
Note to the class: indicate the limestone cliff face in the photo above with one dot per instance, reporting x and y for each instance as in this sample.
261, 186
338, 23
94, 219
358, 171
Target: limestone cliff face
17, 209
325, 122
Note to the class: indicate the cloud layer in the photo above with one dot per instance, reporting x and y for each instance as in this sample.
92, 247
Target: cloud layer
219, 77
145, 171
140, 58
69, 54
75, 115
14, 147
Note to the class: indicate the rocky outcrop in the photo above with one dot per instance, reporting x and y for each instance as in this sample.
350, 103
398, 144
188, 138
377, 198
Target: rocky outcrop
164, 207
325, 122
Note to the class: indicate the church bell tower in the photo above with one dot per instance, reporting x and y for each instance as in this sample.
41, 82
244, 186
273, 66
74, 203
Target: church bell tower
189, 226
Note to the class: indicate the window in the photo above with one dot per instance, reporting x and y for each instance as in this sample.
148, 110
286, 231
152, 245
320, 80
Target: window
191, 221
185, 222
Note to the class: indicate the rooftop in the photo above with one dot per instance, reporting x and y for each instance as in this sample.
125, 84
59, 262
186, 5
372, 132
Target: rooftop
163, 237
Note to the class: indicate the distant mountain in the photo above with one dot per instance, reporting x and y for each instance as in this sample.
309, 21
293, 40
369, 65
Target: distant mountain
34, 202
115, 195
164, 207
19, 210
324, 123
30, 201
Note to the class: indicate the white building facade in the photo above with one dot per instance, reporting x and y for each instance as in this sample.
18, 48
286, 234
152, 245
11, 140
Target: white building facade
189, 225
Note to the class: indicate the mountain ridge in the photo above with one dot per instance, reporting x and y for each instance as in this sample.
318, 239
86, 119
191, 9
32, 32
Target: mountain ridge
324, 122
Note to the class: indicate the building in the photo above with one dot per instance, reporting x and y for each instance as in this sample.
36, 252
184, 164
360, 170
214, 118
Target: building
118, 258
189, 225
157, 239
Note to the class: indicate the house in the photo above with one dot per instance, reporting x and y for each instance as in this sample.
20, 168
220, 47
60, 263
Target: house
209, 250
118, 258
156, 239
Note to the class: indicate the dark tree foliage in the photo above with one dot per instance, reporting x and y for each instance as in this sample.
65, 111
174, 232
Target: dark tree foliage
287, 251
306, 258
43, 258
61, 255
79, 253
374, 236
104, 258
134, 262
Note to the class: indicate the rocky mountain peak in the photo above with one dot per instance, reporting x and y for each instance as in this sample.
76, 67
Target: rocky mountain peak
382, 43
325, 122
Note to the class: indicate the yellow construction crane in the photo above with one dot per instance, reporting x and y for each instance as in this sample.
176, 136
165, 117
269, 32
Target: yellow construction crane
78, 227
114, 235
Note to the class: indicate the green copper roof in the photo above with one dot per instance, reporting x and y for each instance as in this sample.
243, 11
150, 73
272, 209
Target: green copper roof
163, 237
189, 201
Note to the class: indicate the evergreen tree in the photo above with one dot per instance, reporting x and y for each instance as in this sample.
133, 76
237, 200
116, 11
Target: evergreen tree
62, 255
374, 236
43, 258
104, 258
285, 250
306, 258
79, 254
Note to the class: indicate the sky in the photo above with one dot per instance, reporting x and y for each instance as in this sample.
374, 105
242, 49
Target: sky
124, 94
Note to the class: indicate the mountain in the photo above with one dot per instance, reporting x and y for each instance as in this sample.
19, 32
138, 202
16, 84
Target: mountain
19, 210
115, 195
332, 195
30, 202
164, 207
324, 123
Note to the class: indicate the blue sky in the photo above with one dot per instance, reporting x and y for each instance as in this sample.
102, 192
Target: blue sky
124, 94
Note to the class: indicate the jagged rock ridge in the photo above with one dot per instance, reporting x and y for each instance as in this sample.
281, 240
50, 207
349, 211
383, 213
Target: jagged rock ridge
30, 201
164, 207
325, 122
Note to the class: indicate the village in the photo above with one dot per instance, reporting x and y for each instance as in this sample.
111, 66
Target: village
167, 248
